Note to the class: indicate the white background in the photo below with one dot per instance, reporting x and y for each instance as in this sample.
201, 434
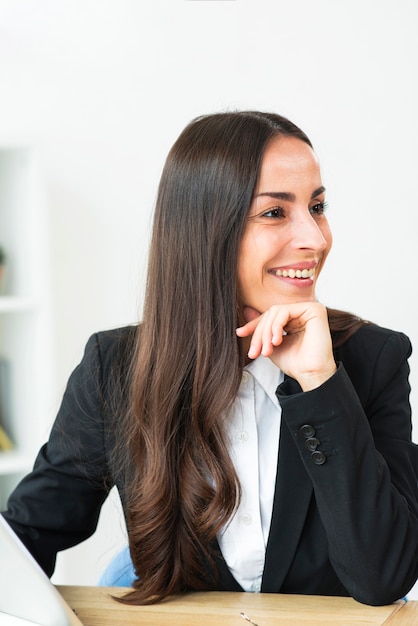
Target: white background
101, 88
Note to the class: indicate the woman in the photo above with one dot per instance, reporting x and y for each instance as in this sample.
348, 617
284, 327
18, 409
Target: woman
258, 440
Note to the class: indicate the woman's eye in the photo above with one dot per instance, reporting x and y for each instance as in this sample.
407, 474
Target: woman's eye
318, 208
276, 212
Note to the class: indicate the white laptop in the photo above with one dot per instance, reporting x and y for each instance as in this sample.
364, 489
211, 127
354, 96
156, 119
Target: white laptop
27, 596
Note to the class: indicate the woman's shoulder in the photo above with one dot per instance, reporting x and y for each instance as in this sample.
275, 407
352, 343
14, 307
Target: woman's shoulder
121, 338
111, 349
372, 341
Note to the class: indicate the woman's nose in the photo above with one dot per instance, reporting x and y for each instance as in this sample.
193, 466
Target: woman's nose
308, 234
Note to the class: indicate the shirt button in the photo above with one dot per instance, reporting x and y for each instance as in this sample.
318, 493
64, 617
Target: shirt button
246, 519
242, 437
245, 378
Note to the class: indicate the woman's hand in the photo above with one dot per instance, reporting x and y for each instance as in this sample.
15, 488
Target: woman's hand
297, 339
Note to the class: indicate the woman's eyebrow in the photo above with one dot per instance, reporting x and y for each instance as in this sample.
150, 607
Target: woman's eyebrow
287, 195
318, 192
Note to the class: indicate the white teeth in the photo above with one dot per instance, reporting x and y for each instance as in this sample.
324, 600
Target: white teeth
296, 273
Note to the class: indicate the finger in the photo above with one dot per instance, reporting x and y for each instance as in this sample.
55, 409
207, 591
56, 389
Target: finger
276, 321
256, 344
268, 333
263, 334
247, 329
278, 328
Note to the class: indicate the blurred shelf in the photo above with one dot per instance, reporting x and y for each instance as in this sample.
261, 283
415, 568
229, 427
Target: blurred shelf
24, 311
16, 304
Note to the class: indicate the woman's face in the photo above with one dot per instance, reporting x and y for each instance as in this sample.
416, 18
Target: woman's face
287, 237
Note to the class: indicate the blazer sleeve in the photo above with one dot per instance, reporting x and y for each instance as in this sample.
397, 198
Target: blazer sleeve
57, 505
353, 435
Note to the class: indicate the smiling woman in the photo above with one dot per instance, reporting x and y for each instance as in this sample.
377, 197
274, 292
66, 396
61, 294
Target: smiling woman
287, 237
259, 440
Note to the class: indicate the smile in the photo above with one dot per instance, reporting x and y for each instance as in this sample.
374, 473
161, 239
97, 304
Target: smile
291, 273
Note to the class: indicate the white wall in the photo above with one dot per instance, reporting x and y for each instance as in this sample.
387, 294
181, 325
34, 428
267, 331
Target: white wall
103, 87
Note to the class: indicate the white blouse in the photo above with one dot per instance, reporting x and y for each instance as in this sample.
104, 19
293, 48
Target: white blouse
253, 426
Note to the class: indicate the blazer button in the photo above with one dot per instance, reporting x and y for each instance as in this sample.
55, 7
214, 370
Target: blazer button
318, 457
307, 431
312, 443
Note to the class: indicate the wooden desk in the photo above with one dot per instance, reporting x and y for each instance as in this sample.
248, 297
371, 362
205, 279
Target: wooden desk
95, 607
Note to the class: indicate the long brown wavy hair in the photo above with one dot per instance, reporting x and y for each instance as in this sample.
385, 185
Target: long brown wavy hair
181, 486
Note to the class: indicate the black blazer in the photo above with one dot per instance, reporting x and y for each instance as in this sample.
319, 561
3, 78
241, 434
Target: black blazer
345, 514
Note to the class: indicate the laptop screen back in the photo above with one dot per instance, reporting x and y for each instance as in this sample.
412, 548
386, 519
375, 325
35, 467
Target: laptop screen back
25, 590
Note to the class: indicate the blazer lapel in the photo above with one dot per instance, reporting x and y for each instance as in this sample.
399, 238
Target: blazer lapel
293, 493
